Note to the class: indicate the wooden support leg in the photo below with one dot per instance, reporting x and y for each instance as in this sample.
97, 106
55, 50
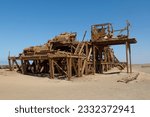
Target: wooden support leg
9, 61
22, 67
81, 74
130, 58
74, 66
100, 64
94, 60
127, 57
51, 68
79, 66
69, 68
12, 65
87, 53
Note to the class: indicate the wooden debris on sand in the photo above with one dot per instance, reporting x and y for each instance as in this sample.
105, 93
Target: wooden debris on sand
131, 77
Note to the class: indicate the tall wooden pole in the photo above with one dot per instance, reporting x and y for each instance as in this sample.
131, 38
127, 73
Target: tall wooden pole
130, 58
127, 57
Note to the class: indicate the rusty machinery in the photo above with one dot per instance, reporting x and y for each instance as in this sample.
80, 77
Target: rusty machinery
64, 56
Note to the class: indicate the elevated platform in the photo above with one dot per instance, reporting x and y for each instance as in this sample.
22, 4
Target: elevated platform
113, 41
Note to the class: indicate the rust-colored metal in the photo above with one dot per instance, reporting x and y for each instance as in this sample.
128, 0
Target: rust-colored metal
64, 56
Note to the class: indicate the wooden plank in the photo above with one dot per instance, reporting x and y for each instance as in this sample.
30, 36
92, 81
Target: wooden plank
81, 49
131, 77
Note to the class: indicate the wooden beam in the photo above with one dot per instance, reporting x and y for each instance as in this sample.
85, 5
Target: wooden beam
51, 67
17, 65
60, 68
86, 60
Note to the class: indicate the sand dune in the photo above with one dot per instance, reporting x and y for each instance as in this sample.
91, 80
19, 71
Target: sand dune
14, 85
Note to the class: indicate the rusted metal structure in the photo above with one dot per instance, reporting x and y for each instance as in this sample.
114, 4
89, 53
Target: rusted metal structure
64, 57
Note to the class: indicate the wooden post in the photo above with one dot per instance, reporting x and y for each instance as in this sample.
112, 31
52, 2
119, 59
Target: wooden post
94, 60
127, 57
79, 66
12, 64
51, 67
74, 66
22, 67
69, 68
86, 66
9, 61
100, 64
130, 58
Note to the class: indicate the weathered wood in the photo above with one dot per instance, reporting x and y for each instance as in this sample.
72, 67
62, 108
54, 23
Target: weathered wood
51, 67
60, 68
127, 57
94, 66
9, 61
94, 55
130, 58
87, 52
17, 65
74, 66
86, 60
131, 77
22, 67
79, 48
100, 62
69, 68
42, 68
79, 67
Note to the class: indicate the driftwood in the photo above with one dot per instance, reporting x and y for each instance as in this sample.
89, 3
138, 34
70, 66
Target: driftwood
129, 78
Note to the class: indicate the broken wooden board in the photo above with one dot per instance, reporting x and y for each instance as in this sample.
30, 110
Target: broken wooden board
131, 77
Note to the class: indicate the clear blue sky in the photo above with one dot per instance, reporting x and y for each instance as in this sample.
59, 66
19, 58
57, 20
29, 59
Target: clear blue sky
24, 23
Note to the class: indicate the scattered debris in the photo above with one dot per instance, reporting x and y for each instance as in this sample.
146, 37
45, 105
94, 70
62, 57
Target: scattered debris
143, 66
131, 77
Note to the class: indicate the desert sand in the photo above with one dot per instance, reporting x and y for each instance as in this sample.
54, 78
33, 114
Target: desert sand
17, 86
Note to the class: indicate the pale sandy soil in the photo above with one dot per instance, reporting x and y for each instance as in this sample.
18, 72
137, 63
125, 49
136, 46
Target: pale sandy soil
14, 85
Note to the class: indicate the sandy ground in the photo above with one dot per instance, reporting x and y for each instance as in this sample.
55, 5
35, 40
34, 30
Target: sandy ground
14, 85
